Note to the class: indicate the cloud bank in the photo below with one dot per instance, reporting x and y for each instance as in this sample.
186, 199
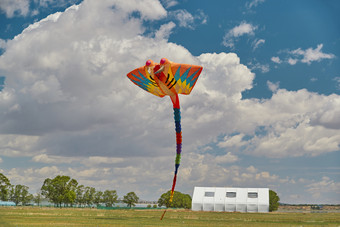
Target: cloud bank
68, 105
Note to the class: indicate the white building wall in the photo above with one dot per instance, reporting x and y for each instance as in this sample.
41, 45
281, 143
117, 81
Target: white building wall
263, 204
231, 199
241, 200
208, 199
219, 199
197, 199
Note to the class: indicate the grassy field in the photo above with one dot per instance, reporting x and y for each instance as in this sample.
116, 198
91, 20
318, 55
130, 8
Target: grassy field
32, 216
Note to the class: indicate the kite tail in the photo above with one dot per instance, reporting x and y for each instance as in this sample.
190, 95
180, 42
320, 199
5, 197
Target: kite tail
177, 116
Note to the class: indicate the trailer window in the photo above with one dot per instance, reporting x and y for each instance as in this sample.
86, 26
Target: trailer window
231, 194
252, 194
209, 194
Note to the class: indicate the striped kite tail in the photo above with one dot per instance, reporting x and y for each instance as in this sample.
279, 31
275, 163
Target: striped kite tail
177, 116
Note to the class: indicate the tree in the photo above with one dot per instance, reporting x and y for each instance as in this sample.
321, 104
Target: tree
20, 194
179, 200
79, 195
98, 198
15, 194
273, 201
59, 190
26, 197
4, 187
69, 197
89, 195
130, 199
48, 191
110, 197
37, 198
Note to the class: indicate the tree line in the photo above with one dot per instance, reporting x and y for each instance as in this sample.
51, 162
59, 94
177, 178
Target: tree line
62, 191
15, 193
65, 191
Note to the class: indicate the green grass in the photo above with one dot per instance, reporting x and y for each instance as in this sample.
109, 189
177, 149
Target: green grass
33, 216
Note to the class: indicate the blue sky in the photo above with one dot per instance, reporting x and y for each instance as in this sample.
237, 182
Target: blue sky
263, 112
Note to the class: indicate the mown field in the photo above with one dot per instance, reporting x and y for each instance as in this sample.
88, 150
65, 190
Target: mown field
34, 216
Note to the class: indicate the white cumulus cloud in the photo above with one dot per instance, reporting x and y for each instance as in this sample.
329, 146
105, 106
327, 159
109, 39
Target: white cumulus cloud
169, 3
309, 55
292, 61
258, 42
165, 30
273, 86
187, 20
240, 30
253, 3
15, 7
276, 60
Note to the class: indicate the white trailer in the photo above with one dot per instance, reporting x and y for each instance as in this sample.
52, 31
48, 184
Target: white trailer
230, 199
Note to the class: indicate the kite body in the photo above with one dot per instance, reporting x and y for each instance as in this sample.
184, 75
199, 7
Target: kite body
168, 78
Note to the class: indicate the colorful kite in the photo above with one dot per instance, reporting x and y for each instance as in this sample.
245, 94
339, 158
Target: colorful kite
168, 78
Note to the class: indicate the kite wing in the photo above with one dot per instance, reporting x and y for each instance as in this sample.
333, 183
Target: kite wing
185, 76
142, 78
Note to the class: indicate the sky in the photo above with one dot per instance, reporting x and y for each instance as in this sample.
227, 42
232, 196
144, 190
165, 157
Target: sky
263, 113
